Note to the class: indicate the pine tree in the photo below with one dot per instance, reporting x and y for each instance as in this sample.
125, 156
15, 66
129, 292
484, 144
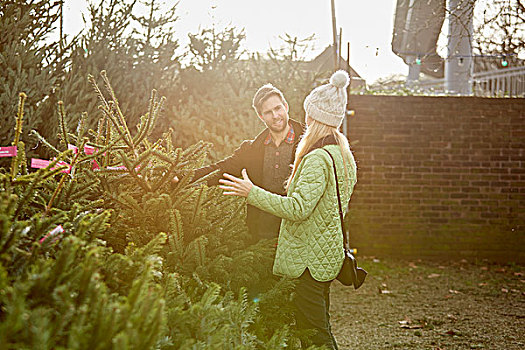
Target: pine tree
102, 248
52, 279
140, 261
29, 63
138, 52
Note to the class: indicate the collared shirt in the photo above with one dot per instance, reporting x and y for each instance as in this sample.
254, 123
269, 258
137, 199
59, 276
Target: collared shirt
276, 170
290, 137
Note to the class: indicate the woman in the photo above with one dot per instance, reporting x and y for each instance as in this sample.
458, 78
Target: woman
310, 245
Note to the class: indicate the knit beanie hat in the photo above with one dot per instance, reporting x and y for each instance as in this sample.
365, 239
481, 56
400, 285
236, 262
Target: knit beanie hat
327, 103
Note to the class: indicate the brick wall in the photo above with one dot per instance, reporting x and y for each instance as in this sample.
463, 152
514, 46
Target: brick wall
439, 177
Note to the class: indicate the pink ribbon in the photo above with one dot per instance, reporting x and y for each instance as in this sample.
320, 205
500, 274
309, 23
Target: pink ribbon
9, 151
42, 163
57, 230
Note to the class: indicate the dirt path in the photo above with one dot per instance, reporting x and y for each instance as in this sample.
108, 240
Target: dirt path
425, 305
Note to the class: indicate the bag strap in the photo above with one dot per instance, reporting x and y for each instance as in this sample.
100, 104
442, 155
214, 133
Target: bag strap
345, 238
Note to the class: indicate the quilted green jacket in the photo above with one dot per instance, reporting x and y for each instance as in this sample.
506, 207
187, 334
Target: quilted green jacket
310, 235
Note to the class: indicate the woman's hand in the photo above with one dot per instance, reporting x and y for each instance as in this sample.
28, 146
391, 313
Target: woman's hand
234, 186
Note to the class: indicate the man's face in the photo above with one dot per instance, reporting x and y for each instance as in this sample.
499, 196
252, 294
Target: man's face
274, 113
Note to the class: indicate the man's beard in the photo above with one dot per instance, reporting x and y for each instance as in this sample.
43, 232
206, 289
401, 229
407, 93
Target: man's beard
277, 129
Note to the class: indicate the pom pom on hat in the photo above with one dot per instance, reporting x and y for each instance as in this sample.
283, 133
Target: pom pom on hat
327, 103
340, 79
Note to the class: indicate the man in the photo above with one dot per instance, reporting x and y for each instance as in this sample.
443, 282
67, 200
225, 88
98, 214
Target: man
267, 158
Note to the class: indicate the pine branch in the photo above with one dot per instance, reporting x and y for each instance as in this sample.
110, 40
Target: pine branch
36, 179
167, 177
108, 138
81, 129
18, 160
100, 126
119, 199
19, 118
44, 141
99, 93
198, 210
145, 124
62, 122
22, 158
18, 131
156, 113
131, 170
174, 160
120, 116
62, 180
101, 150
167, 136
142, 128
120, 129
176, 238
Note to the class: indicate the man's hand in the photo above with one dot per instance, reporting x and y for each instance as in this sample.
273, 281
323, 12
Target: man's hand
235, 186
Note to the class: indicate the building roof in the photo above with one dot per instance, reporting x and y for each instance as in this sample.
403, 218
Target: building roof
324, 62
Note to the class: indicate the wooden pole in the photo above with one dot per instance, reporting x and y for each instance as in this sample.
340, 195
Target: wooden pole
349, 68
334, 32
339, 46
349, 112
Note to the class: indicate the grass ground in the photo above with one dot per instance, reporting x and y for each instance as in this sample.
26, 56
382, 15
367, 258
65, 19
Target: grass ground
428, 305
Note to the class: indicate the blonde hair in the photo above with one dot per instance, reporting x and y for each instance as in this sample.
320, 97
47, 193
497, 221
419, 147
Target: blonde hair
315, 131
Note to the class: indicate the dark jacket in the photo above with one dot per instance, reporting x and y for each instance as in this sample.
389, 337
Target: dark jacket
249, 156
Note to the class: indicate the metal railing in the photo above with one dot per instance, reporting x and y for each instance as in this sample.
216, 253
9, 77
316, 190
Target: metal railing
507, 82
502, 82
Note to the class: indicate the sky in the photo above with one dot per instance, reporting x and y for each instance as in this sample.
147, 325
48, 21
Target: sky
366, 24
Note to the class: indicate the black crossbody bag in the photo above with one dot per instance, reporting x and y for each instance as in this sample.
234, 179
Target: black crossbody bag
350, 274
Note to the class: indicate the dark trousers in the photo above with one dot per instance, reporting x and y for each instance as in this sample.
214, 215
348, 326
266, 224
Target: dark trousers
312, 302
